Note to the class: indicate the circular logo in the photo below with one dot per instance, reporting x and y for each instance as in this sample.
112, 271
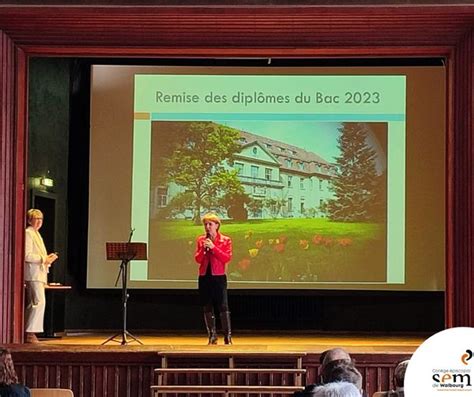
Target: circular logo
443, 365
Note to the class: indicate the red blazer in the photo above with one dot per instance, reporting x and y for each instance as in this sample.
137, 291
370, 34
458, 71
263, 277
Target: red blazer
219, 256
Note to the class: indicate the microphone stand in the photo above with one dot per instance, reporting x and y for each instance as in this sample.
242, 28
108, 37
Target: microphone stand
124, 273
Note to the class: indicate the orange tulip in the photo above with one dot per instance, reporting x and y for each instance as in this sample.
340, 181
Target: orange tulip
327, 241
344, 242
243, 264
279, 247
317, 239
304, 244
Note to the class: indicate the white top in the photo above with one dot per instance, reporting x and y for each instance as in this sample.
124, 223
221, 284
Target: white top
35, 256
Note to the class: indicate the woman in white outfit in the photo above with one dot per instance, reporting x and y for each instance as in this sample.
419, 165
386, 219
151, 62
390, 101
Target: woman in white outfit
37, 263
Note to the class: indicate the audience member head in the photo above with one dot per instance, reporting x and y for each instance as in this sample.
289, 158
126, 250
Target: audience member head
336, 389
399, 374
332, 355
341, 371
7, 370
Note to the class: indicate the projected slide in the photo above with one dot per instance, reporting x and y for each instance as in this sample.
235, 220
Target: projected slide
324, 177
307, 173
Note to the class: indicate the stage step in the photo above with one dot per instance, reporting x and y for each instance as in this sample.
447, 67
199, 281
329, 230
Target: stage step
220, 389
242, 373
231, 370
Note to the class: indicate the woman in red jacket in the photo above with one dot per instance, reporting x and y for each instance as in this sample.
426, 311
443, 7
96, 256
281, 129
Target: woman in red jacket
213, 253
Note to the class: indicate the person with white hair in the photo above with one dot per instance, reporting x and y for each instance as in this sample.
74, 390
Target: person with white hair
399, 379
336, 389
336, 366
337, 353
37, 264
342, 371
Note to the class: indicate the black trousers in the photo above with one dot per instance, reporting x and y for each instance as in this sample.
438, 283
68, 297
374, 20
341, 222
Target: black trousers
213, 292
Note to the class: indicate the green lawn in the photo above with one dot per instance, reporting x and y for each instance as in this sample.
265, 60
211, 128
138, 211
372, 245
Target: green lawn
296, 250
180, 229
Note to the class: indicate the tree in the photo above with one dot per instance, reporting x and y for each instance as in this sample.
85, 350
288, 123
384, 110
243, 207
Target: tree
274, 206
255, 206
194, 157
235, 198
378, 202
178, 204
357, 187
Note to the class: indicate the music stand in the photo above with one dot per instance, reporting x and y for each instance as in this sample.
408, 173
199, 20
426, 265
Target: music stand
124, 252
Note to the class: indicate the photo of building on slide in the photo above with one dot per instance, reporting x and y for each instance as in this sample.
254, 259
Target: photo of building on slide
302, 201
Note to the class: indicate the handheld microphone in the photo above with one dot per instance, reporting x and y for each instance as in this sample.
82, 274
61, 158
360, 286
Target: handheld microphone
208, 235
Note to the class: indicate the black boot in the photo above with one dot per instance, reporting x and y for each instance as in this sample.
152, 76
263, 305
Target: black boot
210, 321
225, 321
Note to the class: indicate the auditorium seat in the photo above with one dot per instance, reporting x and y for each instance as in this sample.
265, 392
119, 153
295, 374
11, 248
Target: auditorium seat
51, 393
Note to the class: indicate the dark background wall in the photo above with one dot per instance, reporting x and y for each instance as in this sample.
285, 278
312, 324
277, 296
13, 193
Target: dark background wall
48, 145
59, 142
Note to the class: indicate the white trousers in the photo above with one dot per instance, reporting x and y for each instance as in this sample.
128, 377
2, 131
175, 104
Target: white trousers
35, 305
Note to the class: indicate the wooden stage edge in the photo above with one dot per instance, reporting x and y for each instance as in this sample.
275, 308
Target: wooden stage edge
242, 342
79, 362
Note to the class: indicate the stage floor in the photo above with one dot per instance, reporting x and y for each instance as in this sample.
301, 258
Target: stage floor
257, 341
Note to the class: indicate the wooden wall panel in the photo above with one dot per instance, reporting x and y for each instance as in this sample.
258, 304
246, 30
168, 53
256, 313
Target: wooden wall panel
12, 192
224, 26
460, 275
7, 196
19, 166
130, 373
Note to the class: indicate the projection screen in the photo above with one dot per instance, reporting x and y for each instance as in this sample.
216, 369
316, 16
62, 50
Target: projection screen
325, 178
